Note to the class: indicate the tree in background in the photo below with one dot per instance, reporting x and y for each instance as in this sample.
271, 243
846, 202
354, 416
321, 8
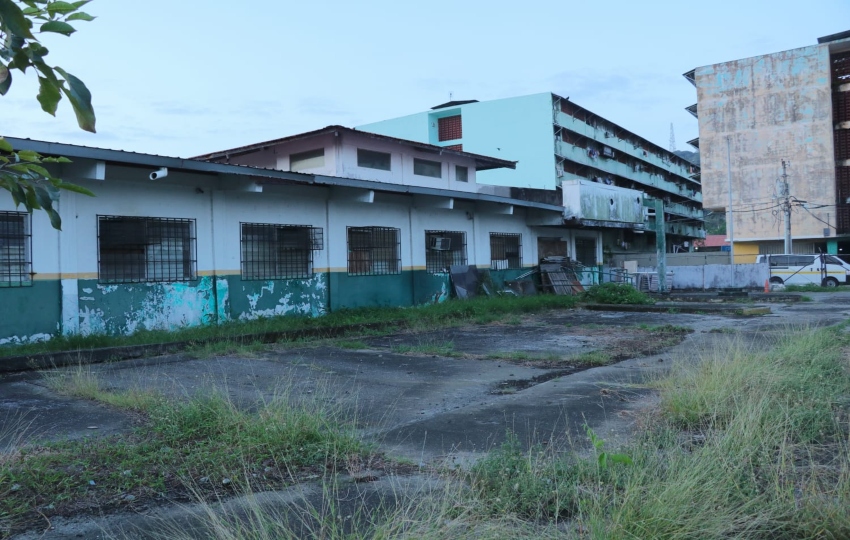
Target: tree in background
23, 173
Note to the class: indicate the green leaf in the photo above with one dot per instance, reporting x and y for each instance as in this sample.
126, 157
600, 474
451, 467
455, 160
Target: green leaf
18, 195
48, 95
14, 19
80, 98
81, 16
76, 189
44, 198
58, 27
55, 220
41, 171
31, 201
80, 3
29, 155
60, 7
5, 145
5, 80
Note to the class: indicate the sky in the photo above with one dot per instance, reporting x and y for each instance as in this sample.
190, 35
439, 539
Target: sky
188, 77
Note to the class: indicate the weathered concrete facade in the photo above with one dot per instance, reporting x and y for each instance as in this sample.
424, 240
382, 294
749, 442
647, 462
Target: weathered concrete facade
768, 109
87, 280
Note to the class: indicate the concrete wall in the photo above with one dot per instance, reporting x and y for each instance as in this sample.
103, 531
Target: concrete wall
720, 276
773, 107
518, 129
66, 295
592, 200
674, 259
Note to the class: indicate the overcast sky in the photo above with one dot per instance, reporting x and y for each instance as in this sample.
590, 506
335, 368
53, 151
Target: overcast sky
185, 77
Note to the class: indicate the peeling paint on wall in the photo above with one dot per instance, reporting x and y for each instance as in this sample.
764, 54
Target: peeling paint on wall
20, 340
273, 298
128, 308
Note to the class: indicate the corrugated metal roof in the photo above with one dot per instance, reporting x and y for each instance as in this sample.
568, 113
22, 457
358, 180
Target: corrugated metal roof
482, 163
259, 175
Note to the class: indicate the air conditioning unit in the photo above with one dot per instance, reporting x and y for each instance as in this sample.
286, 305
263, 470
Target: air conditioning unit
607, 151
440, 243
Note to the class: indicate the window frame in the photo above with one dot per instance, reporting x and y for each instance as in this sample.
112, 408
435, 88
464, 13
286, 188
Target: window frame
465, 170
24, 274
306, 156
364, 153
512, 262
436, 261
282, 262
427, 163
139, 257
385, 241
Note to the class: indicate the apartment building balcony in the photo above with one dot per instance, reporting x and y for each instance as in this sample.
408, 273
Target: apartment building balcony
684, 187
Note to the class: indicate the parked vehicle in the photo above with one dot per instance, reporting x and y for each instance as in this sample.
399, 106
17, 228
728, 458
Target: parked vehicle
793, 269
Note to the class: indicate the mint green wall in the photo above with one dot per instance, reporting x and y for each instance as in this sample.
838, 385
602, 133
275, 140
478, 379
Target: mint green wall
129, 307
517, 129
499, 277
250, 299
431, 288
364, 291
31, 312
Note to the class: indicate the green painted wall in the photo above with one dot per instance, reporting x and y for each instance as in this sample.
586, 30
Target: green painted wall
431, 288
31, 312
250, 299
362, 291
129, 307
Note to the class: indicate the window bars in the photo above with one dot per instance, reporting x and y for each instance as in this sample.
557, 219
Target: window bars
373, 251
141, 249
272, 251
15, 249
505, 251
444, 249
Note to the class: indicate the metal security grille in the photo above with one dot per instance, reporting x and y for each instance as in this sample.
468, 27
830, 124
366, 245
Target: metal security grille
586, 251
505, 251
444, 249
15, 249
272, 251
373, 251
450, 128
137, 250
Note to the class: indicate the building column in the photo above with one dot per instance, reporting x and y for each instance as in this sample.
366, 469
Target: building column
832, 247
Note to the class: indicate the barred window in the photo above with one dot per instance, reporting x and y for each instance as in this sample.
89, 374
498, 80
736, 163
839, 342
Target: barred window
444, 249
373, 251
461, 174
279, 251
15, 249
449, 128
505, 251
140, 249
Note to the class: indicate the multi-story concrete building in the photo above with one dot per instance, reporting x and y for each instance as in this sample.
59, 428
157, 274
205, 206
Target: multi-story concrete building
602, 173
755, 113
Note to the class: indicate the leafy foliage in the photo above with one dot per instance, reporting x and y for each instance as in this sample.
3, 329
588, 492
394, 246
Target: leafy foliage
23, 173
616, 293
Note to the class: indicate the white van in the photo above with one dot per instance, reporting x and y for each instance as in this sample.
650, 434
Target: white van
820, 269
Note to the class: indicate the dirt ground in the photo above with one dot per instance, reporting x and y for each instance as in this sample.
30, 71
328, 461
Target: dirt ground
432, 398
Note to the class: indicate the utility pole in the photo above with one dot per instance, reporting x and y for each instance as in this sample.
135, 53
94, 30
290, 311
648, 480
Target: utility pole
730, 219
786, 207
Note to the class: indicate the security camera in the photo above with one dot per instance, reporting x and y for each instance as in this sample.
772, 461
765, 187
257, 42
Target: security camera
161, 173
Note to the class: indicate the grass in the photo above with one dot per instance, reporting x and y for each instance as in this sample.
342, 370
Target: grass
593, 358
205, 444
377, 320
615, 293
435, 348
524, 356
812, 287
747, 444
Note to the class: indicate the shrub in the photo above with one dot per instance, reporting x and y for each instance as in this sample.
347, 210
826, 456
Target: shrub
615, 293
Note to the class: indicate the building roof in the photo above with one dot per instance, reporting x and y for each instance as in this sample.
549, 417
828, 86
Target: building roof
448, 104
257, 174
482, 163
715, 240
834, 37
